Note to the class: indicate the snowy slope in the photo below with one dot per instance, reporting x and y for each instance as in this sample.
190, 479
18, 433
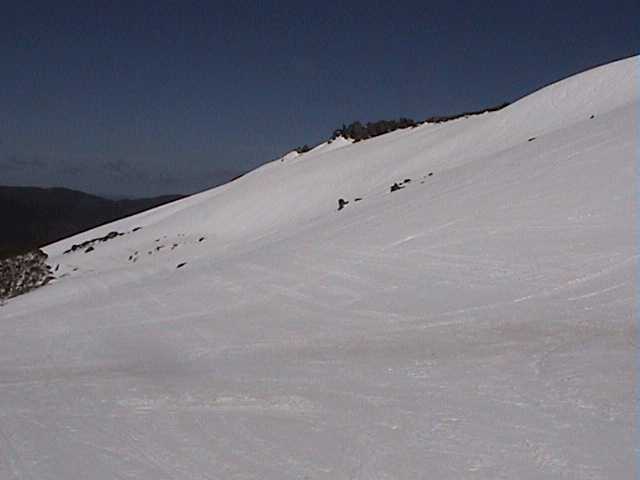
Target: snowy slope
478, 323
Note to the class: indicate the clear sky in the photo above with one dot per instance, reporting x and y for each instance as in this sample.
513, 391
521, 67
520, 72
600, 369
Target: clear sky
148, 97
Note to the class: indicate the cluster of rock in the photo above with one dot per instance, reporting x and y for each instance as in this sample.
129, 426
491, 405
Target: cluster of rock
23, 273
88, 245
393, 188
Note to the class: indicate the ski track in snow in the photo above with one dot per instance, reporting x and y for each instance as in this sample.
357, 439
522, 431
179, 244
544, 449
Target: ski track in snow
478, 323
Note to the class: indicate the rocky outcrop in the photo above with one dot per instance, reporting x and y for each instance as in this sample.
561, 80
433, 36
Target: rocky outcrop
89, 244
23, 273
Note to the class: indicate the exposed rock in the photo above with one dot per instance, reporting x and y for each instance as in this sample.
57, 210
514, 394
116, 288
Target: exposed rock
341, 203
23, 273
90, 243
395, 187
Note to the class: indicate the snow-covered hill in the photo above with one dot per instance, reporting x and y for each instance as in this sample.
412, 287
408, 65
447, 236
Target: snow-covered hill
477, 323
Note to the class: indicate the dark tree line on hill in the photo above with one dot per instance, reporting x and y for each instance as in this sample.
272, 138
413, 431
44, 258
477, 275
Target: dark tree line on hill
303, 149
357, 131
446, 118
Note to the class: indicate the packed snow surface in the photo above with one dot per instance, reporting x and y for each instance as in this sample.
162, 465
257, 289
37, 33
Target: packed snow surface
476, 324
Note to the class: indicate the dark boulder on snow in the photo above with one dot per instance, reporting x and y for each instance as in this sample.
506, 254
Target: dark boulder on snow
395, 187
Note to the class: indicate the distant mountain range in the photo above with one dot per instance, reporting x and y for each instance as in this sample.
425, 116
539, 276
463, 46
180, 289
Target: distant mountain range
34, 217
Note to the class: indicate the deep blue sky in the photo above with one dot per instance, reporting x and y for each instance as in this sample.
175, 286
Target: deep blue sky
143, 98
